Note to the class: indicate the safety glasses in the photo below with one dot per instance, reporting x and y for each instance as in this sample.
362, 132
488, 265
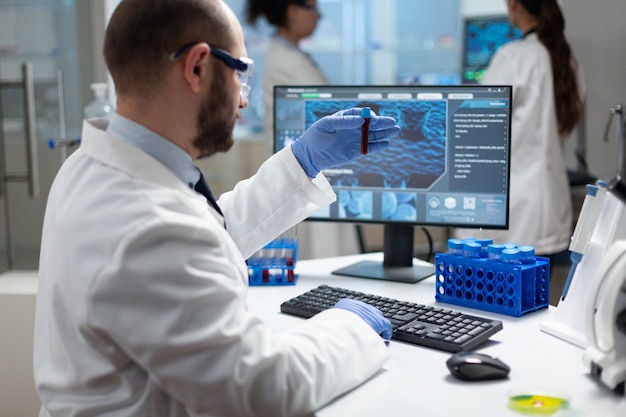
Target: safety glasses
244, 66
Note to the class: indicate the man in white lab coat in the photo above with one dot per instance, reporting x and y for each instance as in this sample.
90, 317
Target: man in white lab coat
141, 307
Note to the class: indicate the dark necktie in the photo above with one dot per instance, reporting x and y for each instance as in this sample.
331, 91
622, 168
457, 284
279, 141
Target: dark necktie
203, 188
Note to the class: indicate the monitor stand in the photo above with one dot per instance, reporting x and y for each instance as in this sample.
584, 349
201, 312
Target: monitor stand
397, 264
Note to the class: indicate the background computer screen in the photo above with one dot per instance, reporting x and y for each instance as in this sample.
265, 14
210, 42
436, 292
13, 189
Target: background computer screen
482, 36
449, 165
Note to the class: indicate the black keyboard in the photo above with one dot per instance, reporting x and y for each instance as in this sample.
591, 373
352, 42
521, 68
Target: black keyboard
419, 324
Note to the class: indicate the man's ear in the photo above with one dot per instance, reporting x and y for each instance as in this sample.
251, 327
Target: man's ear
196, 67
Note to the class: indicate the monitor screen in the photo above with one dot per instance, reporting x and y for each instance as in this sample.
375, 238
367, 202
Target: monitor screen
449, 165
482, 36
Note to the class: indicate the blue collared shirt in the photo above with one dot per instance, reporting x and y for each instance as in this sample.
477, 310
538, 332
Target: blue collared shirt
166, 152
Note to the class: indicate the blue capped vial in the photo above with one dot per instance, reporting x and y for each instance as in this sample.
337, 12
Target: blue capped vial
483, 246
511, 256
527, 254
455, 247
471, 249
494, 252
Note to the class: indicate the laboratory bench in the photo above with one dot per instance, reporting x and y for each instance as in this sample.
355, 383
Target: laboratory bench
414, 382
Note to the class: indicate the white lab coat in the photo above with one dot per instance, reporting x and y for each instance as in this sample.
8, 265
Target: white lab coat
141, 307
540, 205
285, 64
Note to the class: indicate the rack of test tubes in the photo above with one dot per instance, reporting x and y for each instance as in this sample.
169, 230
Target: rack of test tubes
275, 263
502, 278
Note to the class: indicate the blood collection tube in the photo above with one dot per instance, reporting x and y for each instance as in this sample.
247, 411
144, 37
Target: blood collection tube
366, 113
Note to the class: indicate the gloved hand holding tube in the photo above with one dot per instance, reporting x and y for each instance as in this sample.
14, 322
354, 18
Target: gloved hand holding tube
336, 139
372, 316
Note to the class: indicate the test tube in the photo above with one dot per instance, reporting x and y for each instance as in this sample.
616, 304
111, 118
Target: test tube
366, 113
471, 249
483, 246
511, 256
527, 254
268, 257
494, 252
455, 247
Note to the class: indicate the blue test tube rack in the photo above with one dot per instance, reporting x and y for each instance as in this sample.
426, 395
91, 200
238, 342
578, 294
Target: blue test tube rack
274, 264
511, 289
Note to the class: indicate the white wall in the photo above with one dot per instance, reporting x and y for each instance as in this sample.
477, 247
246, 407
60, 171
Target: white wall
482, 7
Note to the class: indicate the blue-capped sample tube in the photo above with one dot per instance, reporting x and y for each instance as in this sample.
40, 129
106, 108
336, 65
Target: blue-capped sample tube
483, 246
471, 249
494, 252
527, 254
455, 247
511, 256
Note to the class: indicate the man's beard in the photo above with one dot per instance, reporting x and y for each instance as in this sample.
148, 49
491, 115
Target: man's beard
215, 122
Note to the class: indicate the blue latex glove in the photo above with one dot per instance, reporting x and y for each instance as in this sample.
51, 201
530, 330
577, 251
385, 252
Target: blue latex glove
372, 316
336, 139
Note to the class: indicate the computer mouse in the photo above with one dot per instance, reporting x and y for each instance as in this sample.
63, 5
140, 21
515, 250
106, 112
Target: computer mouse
474, 366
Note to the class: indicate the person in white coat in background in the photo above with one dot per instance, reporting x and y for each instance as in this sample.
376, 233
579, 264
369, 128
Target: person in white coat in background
141, 305
287, 64
548, 91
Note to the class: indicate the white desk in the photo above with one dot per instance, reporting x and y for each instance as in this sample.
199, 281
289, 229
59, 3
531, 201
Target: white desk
416, 381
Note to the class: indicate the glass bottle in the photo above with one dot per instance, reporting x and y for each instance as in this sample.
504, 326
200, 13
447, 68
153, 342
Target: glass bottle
99, 106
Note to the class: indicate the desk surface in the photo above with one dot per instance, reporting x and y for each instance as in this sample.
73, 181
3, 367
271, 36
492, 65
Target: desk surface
416, 381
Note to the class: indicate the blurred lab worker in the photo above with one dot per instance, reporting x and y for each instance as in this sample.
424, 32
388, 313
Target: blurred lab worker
141, 306
548, 91
287, 64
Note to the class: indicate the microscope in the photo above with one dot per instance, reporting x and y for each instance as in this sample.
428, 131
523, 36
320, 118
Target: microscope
592, 311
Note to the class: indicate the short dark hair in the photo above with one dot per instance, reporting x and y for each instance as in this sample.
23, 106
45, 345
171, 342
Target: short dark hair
142, 34
275, 11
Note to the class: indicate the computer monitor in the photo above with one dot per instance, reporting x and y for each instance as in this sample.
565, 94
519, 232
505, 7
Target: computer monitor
449, 165
482, 36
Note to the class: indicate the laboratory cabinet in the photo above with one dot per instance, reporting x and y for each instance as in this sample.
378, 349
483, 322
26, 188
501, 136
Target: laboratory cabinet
40, 106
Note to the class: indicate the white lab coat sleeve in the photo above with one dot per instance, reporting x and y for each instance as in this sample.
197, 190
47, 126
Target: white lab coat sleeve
277, 197
173, 299
317, 340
